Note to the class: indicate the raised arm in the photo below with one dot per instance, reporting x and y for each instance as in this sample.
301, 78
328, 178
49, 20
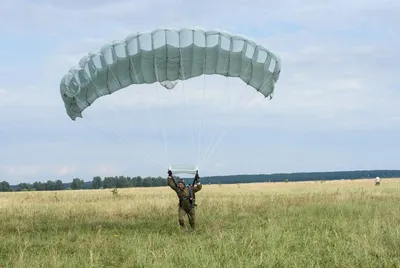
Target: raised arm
171, 181
197, 186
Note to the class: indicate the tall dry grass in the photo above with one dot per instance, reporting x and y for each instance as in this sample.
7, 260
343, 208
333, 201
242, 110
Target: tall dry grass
303, 224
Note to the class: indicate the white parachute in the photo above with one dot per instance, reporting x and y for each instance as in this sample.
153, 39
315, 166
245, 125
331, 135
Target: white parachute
167, 56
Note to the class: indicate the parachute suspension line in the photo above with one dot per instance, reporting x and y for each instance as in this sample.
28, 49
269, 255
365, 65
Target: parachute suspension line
151, 119
245, 86
91, 126
163, 133
145, 141
89, 123
162, 114
119, 139
224, 132
149, 155
215, 139
163, 130
242, 104
200, 133
226, 87
191, 138
226, 65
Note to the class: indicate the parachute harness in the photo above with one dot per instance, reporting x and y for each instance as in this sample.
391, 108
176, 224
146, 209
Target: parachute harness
191, 197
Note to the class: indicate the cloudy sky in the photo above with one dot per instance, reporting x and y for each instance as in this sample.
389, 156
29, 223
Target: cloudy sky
334, 107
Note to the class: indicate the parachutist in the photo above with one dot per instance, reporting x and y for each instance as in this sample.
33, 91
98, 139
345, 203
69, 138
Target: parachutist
187, 198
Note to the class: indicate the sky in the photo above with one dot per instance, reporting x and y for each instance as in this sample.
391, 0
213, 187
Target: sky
334, 106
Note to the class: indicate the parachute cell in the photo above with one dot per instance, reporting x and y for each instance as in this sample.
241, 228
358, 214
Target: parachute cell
167, 56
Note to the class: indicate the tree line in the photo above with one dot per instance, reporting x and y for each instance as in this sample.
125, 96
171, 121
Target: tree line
78, 184
126, 182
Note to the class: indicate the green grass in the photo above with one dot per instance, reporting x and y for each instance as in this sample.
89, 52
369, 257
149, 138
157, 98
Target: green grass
331, 224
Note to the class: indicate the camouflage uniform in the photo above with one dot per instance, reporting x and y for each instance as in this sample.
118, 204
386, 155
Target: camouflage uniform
186, 206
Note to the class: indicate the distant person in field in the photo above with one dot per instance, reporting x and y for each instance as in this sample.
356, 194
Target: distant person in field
186, 195
377, 181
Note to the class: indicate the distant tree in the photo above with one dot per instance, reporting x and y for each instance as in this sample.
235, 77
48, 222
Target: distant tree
138, 181
109, 182
39, 186
5, 187
25, 187
50, 185
122, 182
97, 183
146, 182
77, 184
58, 185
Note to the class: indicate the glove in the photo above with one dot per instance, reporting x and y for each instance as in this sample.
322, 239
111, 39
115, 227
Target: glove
169, 173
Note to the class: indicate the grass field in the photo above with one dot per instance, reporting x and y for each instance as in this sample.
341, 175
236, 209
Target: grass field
303, 224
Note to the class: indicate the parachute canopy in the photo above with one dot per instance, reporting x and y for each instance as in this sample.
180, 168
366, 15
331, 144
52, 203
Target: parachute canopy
167, 56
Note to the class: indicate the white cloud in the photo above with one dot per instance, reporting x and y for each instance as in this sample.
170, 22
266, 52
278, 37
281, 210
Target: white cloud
22, 170
66, 170
37, 171
106, 170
